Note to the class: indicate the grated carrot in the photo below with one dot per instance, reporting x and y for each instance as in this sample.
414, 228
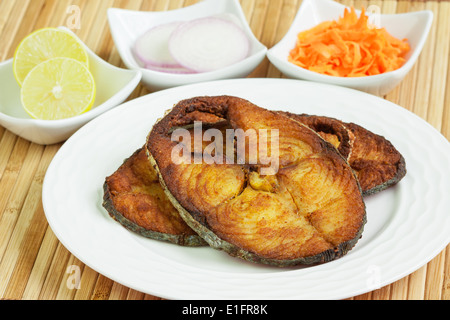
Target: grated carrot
349, 47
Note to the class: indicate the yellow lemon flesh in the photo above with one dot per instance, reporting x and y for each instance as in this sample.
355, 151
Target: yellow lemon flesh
45, 44
58, 88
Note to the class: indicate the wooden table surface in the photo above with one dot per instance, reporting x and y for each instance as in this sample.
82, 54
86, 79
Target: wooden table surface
35, 265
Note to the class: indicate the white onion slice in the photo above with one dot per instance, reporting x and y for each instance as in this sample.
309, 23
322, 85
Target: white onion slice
152, 48
208, 44
173, 70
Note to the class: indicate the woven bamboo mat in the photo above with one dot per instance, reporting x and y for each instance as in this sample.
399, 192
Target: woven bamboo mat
35, 265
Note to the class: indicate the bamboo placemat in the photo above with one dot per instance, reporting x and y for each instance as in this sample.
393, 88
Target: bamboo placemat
35, 265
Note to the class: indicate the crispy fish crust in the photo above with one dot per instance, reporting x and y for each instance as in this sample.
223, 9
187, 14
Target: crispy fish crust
133, 196
376, 162
310, 211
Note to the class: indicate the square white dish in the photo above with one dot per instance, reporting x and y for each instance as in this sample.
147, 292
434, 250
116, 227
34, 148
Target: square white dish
113, 85
414, 26
127, 26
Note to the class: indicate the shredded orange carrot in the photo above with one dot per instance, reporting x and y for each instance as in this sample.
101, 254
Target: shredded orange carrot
349, 47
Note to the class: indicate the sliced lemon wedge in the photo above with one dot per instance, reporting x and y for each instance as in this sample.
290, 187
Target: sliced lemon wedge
58, 88
45, 44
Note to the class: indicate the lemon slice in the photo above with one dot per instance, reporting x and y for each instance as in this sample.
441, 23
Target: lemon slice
58, 88
45, 44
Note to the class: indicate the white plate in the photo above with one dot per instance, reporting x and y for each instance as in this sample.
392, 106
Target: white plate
408, 224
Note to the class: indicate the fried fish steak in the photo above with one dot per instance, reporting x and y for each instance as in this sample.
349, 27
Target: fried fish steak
133, 197
376, 162
309, 211
329, 129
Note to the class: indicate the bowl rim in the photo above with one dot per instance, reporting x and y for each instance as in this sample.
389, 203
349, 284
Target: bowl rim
351, 80
85, 117
131, 63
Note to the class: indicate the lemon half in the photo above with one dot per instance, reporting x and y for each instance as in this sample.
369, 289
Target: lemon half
45, 44
58, 88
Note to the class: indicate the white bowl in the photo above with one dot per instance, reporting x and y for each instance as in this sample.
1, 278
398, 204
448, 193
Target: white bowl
114, 85
127, 26
414, 26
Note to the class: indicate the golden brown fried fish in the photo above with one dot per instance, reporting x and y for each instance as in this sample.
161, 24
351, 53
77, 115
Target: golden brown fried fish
133, 196
376, 162
310, 210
